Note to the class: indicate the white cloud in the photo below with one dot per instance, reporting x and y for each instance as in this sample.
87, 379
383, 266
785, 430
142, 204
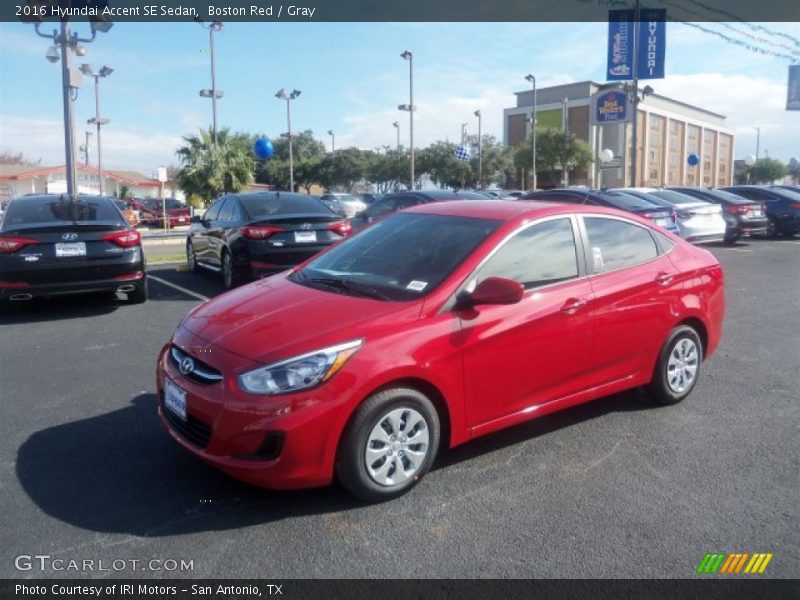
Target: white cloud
122, 148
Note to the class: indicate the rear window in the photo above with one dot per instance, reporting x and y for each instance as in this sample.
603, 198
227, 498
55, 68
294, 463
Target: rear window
52, 209
172, 203
675, 197
621, 200
732, 198
261, 206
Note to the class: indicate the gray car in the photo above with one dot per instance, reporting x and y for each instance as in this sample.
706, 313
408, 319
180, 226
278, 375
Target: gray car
698, 222
352, 205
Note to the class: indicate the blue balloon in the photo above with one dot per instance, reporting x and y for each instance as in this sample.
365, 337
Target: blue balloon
263, 148
693, 160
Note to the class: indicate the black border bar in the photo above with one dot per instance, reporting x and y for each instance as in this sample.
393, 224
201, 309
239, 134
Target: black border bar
741, 11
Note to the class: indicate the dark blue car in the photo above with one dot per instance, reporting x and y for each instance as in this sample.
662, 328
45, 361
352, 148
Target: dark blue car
661, 215
781, 205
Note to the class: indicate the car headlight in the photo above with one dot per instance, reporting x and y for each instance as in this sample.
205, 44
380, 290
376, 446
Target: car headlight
300, 372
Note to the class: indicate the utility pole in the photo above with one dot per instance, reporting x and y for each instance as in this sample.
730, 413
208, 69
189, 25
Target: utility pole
635, 125
477, 113
565, 166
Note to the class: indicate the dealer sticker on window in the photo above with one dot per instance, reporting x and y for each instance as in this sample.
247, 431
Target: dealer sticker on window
597, 256
417, 286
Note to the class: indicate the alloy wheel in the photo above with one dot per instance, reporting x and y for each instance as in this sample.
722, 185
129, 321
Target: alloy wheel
682, 365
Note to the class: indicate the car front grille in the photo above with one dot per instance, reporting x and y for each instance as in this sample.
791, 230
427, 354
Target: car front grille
194, 430
200, 372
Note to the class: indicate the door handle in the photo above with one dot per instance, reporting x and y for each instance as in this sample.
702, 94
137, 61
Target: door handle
664, 278
572, 305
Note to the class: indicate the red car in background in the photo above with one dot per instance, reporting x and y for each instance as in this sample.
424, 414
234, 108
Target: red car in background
434, 326
151, 211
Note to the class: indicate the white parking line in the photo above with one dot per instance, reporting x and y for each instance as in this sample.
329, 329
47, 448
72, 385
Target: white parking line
179, 288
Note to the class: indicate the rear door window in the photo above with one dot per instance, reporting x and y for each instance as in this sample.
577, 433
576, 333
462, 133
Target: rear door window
213, 212
616, 244
227, 211
50, 209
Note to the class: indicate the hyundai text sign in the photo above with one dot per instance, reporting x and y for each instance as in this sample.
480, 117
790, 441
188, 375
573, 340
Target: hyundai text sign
650, 33
610, 106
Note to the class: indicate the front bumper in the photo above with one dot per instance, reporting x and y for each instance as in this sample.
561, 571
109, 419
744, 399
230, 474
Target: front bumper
277, 442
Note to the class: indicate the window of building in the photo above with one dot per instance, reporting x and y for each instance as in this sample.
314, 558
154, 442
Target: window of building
724, 160
655, 150
675, 166
709, 157
692, 147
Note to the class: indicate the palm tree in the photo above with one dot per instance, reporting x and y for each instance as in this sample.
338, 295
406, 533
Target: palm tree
209, 169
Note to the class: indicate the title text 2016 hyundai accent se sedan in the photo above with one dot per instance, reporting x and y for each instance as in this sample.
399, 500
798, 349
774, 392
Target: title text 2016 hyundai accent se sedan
432, 327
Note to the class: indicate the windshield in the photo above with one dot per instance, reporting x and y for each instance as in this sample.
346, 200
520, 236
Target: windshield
403, 257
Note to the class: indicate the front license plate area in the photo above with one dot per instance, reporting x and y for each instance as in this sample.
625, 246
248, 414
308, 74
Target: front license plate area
304, 237
70, 250
175, 399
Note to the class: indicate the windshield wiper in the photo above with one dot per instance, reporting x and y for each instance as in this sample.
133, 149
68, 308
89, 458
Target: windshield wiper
349, 286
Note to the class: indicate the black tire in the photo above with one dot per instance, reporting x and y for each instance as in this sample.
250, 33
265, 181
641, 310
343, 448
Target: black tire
230, 279
732, 238
351, 464
772, 229
661, 389
139, 295
191, 257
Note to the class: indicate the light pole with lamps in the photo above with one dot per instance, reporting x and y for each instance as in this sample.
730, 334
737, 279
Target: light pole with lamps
213, 93
532, 80
282, 95
396, 125
104, 71
464, 132
406, 55
758, 141
333, 146
477, 113
65, 42
85, 148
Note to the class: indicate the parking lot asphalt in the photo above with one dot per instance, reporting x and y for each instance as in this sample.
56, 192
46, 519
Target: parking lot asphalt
615, 488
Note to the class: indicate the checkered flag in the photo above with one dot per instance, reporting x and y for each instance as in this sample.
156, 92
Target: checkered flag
463, 152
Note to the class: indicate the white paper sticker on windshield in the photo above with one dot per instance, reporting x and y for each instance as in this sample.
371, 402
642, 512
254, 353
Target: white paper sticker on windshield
597, 255
417, 286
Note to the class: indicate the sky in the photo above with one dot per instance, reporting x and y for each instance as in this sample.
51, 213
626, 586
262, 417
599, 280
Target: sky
352, 78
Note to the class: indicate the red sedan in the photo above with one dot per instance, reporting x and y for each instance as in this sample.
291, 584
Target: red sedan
432, 327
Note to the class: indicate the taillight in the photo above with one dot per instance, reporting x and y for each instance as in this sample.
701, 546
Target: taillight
10, 244
716, 273
342, 228
130, 276
736, 209
674, 216
14, 284
794, 205
259, 232
127, 238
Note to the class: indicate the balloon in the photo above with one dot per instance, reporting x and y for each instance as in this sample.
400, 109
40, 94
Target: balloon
263, 148
463, 152
693, 160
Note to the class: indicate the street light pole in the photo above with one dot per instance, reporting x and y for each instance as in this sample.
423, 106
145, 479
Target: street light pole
463, 132
87, 135
105, 71
406, 55
758, 141
281, 94
64, 43
477, 113
333, 146
213, 93
534, 182
396, 125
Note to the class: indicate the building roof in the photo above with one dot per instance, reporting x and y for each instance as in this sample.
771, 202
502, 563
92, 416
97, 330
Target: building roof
590, 83
17, 172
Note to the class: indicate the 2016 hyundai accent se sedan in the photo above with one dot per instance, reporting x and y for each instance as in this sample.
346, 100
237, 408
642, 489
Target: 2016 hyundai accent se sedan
432, 327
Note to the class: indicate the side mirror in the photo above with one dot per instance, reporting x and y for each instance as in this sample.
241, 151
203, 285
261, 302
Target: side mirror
496, 290
195, 219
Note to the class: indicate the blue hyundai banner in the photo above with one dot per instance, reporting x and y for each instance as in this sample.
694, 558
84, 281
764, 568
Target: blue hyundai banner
620, 45
652, 40
652, 43
793, 94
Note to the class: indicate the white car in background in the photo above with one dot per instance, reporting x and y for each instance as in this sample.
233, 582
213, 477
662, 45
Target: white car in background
698, 222
351, 205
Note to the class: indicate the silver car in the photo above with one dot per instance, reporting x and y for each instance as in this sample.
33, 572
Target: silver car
352, 205
698, 222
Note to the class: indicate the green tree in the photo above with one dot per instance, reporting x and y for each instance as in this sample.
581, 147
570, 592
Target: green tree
496, 161
767, 170
343, 171
438, 161
388, 171
209, 169
554, 151
794, 170
307, 154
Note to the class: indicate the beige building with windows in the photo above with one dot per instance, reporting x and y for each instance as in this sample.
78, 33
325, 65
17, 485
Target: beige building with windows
668, 132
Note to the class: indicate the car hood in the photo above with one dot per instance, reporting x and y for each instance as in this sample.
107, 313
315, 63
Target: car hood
273, 319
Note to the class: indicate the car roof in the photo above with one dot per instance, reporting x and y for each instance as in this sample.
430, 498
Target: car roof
509, 210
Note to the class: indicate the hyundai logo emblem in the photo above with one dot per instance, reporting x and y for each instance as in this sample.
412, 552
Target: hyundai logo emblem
69, 237
306, 226
186, 366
